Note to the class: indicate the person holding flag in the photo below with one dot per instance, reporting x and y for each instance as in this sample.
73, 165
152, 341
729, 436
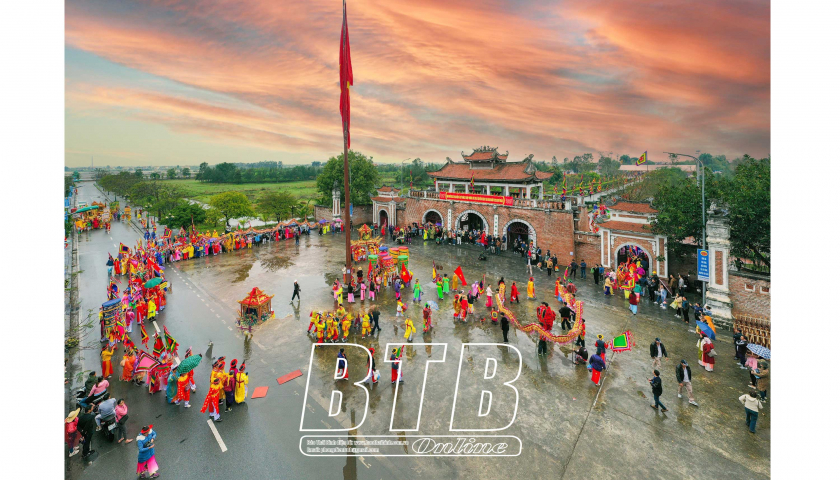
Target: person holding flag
396, 359
409, 329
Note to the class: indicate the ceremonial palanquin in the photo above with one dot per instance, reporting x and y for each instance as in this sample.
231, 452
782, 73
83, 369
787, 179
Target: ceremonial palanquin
254, 309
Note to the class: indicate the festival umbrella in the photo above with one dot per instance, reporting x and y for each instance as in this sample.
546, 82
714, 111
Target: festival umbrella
763, 352
383, 248
434, 305
705, 328
188, 364
153, 282
322, 221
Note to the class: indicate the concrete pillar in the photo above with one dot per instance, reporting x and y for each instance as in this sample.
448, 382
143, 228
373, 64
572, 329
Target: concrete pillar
542, 191
487, 189
528, 192
717, 242
451, 187
507, 190
336, 195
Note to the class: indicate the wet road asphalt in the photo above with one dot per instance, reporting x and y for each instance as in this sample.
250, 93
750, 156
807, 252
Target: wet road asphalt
569, 428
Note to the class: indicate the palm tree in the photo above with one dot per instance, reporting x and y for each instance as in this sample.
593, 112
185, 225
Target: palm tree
303, 210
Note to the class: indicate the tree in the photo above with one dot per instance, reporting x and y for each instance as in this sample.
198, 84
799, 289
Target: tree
202, 169
171, 174
213, 216
138, 173
748, 198
185, 214
303, 210
154, 175
608, 167
186, 172
232, 205
364, 178
276, 204
626, 160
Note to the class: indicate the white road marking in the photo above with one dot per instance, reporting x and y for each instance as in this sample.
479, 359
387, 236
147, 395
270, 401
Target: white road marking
231, 329
154, 322
216, 434
218, 315
263, 361
197, 295
212, 310
115, 245
223, 321
258, 343
362, 459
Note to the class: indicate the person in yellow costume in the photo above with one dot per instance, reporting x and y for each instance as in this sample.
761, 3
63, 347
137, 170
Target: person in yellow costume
340, 312
531, 288
345, 326
365, 325
152, 309
215, 233
332, 329
313, 321
455, 283
339, 295
409, 329
241, 391
319, 329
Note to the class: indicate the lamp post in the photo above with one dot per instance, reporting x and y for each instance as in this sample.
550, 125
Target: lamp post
699, 164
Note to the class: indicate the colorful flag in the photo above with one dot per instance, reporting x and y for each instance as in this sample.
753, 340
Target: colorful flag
555, 189
642, 159
404, 275
472, 182
145, 362
460, 274
124, 248
345, 77
622, 343
144, 337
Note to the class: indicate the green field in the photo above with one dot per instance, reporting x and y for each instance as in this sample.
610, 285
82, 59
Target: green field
202, 192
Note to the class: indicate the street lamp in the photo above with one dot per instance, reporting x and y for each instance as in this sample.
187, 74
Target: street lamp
699, 164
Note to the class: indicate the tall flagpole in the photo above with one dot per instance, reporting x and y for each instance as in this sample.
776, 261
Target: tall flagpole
347, 230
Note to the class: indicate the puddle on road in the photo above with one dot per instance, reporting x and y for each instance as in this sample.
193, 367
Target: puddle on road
275, 262
241, 272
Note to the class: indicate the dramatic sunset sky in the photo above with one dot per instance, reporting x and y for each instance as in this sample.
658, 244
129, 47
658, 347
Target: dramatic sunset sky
166, 82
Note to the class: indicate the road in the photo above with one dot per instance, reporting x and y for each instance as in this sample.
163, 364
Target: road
569, 428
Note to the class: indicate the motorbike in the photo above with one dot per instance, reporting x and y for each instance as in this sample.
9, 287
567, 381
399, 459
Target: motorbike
92, 400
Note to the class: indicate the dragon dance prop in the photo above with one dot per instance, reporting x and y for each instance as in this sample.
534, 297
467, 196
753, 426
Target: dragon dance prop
564, 339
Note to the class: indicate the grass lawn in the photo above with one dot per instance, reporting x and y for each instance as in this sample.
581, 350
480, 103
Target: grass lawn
202, 192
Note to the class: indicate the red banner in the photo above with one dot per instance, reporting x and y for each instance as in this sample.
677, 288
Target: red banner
469, 197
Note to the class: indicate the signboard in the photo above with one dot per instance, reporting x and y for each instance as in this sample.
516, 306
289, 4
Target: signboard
470, 197
702, 265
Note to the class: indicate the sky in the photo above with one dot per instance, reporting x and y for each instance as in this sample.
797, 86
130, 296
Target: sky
170, 82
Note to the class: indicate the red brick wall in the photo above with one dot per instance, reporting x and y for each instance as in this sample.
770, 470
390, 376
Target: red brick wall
588, 247
756, 300
554, 229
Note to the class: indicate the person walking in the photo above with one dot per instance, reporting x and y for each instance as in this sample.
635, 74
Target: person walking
573, 267
597, 365
762, 374
657, 352
296, 292
653, 287
685, 305
751, 407
565, 316
582, 269
634, 302
86, 425
656, 388
146, 453
741, 351
505, 327
121, 411
600, 346
683, 372
71, 432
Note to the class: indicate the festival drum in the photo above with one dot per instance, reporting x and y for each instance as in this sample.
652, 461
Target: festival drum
394, 251
402, 260
404, 251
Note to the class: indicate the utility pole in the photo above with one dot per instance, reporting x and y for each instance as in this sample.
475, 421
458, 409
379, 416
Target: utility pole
701, 170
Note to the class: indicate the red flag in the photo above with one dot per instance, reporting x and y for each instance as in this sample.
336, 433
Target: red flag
404, 275
460, 274
370, 270
144, 337
345, 78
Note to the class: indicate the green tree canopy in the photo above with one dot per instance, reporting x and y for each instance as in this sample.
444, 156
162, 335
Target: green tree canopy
185, 172
232, 205
364, 178
277, 205
185, 214
171, 173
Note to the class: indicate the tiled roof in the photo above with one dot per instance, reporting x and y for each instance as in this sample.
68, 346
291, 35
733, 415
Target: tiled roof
625, 226
387, 199
386, 188
484, 154
634, 207
501, 172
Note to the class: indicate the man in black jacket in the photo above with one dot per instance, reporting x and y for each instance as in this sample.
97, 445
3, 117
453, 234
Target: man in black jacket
657, 352
87, 424
684, 378
566, 317
653, 286
374, 316
656, 388
505, 327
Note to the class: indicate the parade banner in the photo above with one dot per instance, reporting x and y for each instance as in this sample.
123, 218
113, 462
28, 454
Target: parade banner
469, 197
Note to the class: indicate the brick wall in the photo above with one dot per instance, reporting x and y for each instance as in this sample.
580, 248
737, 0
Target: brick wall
361, 214
554, 229
588, 247
749, 293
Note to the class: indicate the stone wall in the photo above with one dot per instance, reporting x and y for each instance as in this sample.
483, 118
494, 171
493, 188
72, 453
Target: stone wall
749, 293
554, 230
361, 214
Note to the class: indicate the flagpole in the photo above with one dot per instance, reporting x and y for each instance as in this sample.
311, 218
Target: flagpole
347, 231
